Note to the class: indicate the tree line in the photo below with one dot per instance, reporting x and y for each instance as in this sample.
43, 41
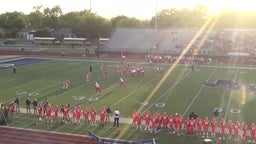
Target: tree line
88, 24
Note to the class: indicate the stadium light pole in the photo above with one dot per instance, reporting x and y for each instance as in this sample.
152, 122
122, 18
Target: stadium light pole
90, 5
156, 16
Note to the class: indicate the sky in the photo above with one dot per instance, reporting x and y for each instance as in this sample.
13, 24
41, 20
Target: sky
141, 9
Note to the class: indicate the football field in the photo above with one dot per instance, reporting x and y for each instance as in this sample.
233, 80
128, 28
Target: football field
179, 89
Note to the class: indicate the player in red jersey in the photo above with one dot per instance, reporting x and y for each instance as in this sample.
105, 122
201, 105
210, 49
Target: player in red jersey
159, 121
192, 126
121, 84
165, 119
88, 76
133, 71
147, 118
153, 124
222, 128
97, 88
93, 117
175, 118
56, 114
230, 129
252, 133
199, 124
206, 127
134, 119
65, 113
74, 115
40, 111
103, 114
236, 130
180, 119
142, 71
171, 125
78, 115
139, 121
187, 122
13, 109
244, 130
48, 110
66, 84
86, 113
213, 126
105, 73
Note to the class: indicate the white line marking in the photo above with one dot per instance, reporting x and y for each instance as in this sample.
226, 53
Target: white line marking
166, 92
189, 106
229, 100
134, 91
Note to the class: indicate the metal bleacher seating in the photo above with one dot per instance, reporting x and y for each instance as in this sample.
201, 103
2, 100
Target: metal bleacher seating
141, 40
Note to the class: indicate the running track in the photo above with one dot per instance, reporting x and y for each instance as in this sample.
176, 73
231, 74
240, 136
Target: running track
9, 135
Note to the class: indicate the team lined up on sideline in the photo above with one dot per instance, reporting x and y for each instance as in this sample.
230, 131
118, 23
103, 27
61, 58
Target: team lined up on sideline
193, 125
175, 124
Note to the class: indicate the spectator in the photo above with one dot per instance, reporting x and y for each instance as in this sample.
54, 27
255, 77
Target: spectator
5, 109
28, 103
108, 114
17, 101
45, 104
90, 68
1, 104
216, 113
13, 108
35, 106
62, 109
14, 69
116, 117
193, 115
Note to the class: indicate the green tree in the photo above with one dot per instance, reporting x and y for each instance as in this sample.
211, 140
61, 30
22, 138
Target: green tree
199, 16
1, 33
166, 18
183, 18
69, 20
91, 25
36, 18
51, 16
15, 20
127, 22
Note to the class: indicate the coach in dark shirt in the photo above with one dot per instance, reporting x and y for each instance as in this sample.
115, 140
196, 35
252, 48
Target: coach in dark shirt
108, 114
17, 101
28, 104
35, 106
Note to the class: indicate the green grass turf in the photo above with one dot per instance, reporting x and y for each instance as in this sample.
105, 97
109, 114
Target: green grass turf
180, 91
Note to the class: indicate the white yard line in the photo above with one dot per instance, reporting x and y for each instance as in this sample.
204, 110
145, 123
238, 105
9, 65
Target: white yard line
163, 95
134, 91
38, 90
198, 93
229, 100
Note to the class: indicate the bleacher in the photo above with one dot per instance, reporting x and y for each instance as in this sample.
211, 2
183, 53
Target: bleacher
142, 40
237, 40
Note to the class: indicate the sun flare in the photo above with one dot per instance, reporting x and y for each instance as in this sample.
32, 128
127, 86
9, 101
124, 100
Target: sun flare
217, 6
